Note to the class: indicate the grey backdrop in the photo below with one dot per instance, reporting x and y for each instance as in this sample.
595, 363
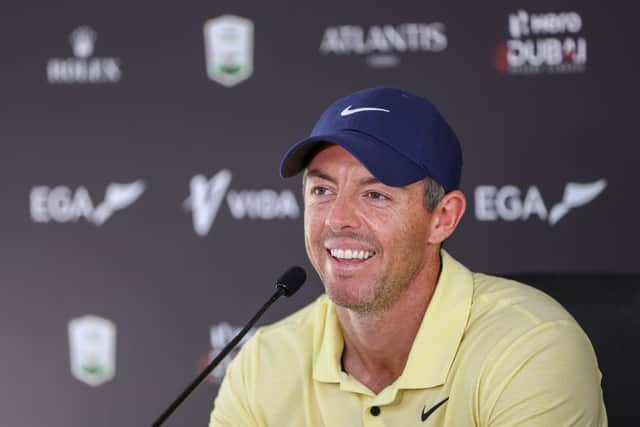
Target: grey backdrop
163, 285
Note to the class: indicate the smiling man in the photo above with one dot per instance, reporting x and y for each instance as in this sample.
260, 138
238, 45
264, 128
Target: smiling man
405, 334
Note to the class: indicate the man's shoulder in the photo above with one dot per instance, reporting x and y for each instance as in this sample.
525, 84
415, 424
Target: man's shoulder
297, 332
527, 351
511, 323
521, 303
507, 315
303, 317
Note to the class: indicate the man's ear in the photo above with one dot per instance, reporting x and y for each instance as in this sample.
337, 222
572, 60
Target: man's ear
447, 216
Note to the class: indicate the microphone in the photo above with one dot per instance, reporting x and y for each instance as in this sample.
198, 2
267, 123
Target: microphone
291, 280
287, 285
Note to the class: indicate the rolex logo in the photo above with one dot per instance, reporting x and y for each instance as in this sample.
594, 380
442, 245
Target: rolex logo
82, 41
83, 67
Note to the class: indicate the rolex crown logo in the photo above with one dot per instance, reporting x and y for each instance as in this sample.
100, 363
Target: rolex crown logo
82, 41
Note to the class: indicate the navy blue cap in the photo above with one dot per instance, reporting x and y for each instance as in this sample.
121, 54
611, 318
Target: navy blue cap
399, 137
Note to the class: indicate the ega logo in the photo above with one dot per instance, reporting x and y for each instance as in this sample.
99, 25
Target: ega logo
509, 203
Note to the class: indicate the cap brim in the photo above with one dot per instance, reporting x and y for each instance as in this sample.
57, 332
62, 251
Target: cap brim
384, 163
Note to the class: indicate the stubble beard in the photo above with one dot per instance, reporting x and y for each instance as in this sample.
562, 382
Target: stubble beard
374, 298
384, 289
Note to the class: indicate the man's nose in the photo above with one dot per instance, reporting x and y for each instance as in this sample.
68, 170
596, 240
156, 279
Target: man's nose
343, 214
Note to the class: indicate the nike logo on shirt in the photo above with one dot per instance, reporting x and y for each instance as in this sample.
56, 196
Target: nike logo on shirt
426, 415
349, 111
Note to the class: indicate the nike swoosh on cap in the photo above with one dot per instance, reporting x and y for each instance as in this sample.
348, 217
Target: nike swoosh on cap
348, 111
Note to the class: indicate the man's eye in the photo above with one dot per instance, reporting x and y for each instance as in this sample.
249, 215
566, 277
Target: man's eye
319, 191
376, 196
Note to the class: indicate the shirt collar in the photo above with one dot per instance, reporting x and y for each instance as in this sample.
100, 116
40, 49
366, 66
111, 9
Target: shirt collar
327, 366
435, 345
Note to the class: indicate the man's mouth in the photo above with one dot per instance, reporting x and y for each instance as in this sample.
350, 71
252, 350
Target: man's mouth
342, 254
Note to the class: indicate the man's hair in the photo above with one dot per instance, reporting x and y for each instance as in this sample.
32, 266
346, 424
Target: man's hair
433, 191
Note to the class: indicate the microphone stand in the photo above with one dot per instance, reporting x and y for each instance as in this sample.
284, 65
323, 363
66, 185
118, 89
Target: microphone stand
281, 290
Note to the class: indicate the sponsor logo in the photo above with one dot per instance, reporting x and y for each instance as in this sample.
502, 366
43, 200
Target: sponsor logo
426, 414
207, 196
228, 43
92, 349
62, 204
510, 203
83, 68
349, 111
543, 43
219, 336
383, 45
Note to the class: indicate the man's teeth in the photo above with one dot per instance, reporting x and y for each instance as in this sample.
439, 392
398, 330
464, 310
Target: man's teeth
351, 254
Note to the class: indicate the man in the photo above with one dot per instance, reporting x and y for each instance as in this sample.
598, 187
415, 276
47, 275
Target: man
405, 334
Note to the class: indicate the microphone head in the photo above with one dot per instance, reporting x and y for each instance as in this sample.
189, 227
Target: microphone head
291, 280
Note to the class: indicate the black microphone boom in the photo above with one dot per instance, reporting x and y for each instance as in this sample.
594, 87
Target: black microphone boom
286, 285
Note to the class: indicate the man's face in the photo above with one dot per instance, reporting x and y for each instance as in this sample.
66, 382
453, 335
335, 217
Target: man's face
366, 240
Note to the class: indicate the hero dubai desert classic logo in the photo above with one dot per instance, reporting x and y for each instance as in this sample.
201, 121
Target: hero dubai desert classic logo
543, 43
92, 349
228, 43
207, 196
383, 45
62, 204
83, 68
219, 336
509, 203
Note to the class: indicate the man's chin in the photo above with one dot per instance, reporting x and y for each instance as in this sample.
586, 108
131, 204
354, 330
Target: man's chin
348, 297
360, 307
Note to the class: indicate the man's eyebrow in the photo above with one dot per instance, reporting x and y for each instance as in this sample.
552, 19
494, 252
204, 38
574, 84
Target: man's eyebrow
369, 181
319, 174
373, 180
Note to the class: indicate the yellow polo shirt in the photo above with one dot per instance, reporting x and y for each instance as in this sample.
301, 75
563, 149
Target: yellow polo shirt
489, 352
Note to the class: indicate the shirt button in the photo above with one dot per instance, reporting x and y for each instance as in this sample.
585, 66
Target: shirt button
375, 411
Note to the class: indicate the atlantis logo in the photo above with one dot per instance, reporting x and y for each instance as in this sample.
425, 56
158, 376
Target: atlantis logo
509, 203
382, 45
62, 204
207, 196
543, 43
82, 68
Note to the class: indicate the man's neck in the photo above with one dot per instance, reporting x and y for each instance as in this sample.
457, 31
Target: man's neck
377, 345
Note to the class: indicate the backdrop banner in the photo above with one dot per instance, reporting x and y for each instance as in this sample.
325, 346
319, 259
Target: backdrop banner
143, 220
